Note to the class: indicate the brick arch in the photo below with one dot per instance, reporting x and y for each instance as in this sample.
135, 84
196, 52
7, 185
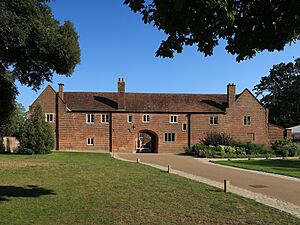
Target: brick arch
154, 139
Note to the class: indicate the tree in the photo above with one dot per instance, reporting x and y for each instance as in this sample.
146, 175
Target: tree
8, 92
15, 121
36, 135
33, 46
280, 92
247, 26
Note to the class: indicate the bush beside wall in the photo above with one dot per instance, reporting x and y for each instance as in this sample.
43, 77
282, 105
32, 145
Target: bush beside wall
220, 145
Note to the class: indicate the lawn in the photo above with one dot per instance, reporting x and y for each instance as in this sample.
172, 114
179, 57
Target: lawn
87, 188
288, 167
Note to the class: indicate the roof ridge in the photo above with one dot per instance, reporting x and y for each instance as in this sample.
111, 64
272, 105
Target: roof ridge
152, 93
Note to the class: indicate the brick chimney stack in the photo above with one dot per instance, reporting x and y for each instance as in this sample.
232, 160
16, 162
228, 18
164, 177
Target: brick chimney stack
61, 91
231, 94
121, 94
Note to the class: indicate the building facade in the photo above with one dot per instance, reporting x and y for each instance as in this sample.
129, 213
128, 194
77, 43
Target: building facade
152, 122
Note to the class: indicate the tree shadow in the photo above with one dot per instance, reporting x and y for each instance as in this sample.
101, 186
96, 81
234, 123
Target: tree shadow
29, 191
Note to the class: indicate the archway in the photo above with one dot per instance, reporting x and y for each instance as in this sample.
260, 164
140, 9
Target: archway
147, 142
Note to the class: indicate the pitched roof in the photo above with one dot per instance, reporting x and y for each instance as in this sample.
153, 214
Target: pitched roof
146, 102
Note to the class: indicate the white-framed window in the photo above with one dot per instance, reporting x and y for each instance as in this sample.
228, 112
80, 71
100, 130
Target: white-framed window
49, 117
169, 137
184, 126
173, 119
105, 118
90, 118
247, 120
90, 141
213, 120
130, 119
146, 118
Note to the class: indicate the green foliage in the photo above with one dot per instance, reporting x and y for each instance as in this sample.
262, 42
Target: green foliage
24, 151
232, 149
280, 92
247, 26
33, 45
8, 94
15, 121
196, 150
286, 147
36, 134
253, 149
215, 138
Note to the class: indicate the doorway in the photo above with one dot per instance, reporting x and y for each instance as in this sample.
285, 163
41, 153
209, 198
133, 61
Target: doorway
147, 142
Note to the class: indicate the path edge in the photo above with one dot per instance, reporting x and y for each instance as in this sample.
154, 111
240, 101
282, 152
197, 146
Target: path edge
263, 199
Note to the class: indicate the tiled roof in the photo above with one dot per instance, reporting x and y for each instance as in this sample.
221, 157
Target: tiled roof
146, 102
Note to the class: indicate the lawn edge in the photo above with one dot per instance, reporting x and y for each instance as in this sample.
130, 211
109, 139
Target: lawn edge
260, 198
215, 162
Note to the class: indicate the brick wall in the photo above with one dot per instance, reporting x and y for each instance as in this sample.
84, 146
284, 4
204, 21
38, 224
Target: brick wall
73, 130
275, 133
125, 135
233, 122
247, 105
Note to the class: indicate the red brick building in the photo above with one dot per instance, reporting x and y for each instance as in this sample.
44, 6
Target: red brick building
131, 122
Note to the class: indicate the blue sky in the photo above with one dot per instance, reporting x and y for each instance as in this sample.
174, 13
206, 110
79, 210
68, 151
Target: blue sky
116, 43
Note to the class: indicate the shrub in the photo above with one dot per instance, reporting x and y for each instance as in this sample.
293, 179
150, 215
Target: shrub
252, 148
215, 139
36, 134
286, 148
24, 151
196, 150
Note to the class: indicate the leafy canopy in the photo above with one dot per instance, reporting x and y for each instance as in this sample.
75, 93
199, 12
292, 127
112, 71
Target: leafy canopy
280, 92
8, 92
247, 26
33, 45
15, 121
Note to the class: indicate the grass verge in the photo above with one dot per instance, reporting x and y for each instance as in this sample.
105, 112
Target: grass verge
87, 188
287, 167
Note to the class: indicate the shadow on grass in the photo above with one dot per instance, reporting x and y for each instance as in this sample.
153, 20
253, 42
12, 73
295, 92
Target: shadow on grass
30, 191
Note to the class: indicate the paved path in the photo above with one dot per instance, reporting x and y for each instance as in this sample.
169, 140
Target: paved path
283, 189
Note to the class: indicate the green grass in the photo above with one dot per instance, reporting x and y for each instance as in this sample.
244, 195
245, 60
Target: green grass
287, 167
87, 188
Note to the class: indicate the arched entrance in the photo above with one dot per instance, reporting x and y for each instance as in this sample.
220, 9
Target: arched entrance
147, 142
